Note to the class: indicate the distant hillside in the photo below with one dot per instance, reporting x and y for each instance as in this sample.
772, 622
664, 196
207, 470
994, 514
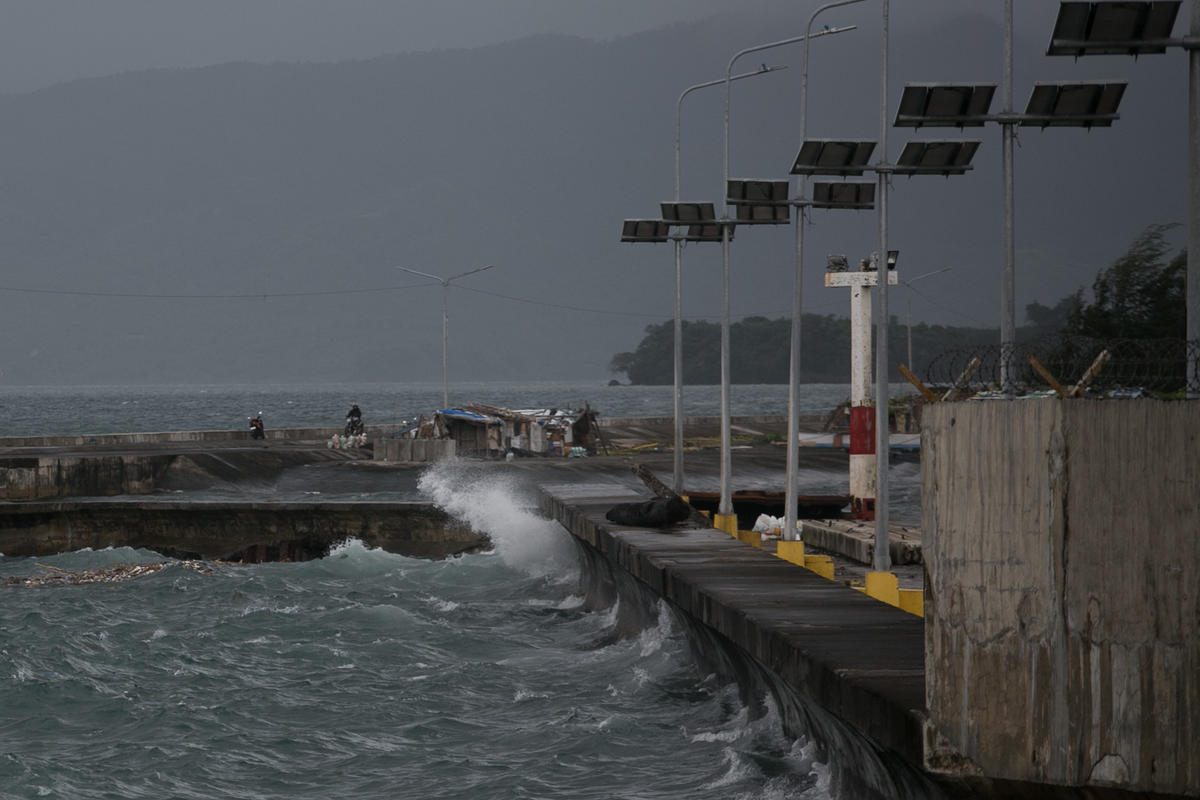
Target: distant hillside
292, 184
760, 350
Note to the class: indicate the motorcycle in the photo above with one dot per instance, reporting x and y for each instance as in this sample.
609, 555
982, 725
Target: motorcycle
256, 427
354, 426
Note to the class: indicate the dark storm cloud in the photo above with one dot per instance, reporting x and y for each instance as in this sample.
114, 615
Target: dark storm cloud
283, 181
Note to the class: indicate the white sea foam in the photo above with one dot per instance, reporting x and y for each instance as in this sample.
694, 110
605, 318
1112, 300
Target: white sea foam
438, 604
737, 768
522, 694
491, 503
652, 639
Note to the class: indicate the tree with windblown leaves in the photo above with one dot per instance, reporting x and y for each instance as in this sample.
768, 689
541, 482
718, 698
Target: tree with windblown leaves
1141, 296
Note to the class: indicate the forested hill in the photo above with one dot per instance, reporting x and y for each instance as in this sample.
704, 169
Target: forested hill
760, 350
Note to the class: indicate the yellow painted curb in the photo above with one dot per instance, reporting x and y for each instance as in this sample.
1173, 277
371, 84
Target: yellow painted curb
791, 551
913, 601
884, 586
726, 522
753, 538
822, 565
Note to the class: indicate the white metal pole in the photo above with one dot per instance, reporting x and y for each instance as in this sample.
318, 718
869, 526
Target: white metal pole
445, 282
793, 433
882, 561
908, 323
445, 316
678, 476
725, 503
725, 506
677, 459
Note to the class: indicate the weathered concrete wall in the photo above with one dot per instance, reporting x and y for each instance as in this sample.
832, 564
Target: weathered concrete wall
84, 474
36, 477
232, 531
413, 450
1062, 609
185, 437
164, 437
855, 664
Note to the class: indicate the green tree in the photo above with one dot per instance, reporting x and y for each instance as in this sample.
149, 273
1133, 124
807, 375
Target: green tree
1141, 296
1048, 320
760, 350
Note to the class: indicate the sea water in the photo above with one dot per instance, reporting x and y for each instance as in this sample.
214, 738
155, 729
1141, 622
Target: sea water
366, 674
46, 410
370, 675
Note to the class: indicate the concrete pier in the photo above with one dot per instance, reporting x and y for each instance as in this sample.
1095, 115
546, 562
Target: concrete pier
857, 663
857, 667
231, 530
213, 495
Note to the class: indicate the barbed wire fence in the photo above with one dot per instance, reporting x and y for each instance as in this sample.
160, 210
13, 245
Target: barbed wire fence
1132, 367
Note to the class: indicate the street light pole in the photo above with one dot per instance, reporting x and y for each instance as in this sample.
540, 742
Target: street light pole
678, 455
445, 282
792, 478
725, 519
882, 561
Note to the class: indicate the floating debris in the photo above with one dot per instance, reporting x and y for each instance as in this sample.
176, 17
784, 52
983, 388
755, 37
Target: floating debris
117, 573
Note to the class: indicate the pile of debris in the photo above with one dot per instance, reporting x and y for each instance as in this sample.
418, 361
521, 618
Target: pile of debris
117, 573
479, 429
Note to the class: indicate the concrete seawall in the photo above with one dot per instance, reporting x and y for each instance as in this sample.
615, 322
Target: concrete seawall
35, 475
854, 666
232, 531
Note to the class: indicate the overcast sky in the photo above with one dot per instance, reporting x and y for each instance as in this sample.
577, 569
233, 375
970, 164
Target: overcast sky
1082, 197
43, 42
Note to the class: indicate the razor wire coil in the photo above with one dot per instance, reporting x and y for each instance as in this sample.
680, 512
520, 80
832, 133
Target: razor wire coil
1135, 367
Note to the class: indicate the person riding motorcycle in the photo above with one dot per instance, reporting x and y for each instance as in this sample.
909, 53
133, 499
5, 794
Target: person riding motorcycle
354, 425
256, 427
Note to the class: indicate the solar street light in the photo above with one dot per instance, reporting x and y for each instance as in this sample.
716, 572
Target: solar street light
941, 157
695, 233
644, 230
1113, 28
833, 157
724, 518
1143, 28
945, 104
708, 232
759, 202
1088, 104
1079, 104
677, 213
756, 192
858, 195
787, 548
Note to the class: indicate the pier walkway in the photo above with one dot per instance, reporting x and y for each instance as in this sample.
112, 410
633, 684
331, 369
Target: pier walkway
848, 655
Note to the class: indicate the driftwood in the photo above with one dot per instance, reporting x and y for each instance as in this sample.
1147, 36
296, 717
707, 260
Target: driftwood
117, 573
660, 489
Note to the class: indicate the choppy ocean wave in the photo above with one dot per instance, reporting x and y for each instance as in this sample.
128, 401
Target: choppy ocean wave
370, 675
